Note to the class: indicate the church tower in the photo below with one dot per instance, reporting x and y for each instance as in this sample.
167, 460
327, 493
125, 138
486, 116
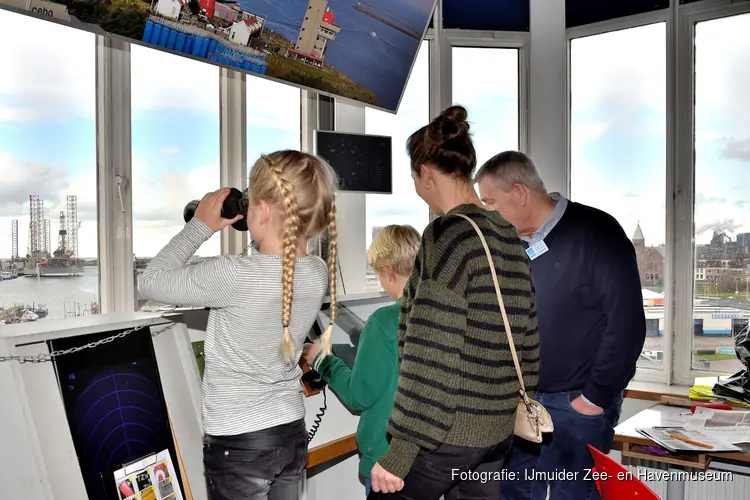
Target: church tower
639, 241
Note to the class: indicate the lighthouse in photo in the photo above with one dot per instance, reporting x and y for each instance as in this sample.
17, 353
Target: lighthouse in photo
318, 28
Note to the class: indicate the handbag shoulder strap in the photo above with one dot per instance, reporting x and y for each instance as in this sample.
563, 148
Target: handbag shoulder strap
500, 302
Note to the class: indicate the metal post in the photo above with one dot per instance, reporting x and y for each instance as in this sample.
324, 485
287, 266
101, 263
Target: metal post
113, 150
233, 159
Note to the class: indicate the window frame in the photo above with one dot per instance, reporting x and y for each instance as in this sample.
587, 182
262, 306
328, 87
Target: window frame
489, 40
687, 16
679, 196
663, 375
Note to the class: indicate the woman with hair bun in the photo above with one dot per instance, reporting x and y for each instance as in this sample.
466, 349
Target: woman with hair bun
454, 410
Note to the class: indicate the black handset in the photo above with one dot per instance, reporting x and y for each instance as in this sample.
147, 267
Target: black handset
311, 380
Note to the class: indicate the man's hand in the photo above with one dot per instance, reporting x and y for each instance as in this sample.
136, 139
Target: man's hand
383, 481
309, 351
581, 406
209, 211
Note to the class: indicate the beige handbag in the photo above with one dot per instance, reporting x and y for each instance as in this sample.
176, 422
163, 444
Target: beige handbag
532, 419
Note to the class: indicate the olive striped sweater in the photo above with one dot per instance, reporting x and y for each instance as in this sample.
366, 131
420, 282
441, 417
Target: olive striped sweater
457, 383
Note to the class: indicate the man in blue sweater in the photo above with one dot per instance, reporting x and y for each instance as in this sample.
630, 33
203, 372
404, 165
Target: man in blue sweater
591, 325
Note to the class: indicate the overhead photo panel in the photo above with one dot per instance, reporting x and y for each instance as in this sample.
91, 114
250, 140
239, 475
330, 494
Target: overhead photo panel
355, 49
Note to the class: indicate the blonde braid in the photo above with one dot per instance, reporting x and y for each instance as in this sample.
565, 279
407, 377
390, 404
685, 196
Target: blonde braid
327, 339
291, 236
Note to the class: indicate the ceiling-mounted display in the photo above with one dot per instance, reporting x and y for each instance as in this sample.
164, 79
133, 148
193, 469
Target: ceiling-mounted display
355, 49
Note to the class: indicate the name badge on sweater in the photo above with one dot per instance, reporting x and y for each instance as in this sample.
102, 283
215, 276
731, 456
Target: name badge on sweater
537, 249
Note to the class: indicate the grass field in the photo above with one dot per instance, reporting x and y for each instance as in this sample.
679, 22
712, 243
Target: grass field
713, 357
329, 81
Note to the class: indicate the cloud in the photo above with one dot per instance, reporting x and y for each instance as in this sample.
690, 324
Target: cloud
630, 70
481, 73
729, 226
158, 202
52, 185
171, 150
62, 82
737, 149
20, 179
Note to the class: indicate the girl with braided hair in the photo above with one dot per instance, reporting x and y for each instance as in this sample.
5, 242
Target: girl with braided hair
262, 308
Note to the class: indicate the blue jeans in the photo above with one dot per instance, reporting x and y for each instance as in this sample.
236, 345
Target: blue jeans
565, 453
368, 487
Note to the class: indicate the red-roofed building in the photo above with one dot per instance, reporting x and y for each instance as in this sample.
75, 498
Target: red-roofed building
242, 31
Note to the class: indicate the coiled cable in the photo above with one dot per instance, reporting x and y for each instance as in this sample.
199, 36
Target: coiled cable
318, 419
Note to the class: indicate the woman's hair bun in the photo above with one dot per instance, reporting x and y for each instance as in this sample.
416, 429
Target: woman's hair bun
450, 125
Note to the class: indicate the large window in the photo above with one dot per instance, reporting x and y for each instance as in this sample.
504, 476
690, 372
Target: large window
403, 206
48, 217
485, 82
273, 117
175, 141
618, 150
722, 174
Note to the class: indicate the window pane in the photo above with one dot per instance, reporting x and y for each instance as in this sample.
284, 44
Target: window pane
618, 150
175, 141
273, 117
485, 82
48, 151
403, 206
722, 166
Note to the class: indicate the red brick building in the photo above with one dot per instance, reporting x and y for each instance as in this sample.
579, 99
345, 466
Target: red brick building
650, 260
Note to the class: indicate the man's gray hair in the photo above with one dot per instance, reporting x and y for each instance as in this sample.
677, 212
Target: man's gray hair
509, 168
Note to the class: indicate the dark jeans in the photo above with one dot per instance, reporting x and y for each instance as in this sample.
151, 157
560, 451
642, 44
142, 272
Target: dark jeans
261, 465
564, 453
453, 471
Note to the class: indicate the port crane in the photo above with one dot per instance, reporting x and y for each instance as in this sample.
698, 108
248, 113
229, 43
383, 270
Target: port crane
386, 18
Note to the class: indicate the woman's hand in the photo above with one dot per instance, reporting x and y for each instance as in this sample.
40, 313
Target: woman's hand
383, 481
209, 211
309, 351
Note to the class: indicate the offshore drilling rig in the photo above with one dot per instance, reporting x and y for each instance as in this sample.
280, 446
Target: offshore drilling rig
41, 260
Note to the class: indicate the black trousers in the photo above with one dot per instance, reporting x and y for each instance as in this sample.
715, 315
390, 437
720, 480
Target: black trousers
262, 465
456, 472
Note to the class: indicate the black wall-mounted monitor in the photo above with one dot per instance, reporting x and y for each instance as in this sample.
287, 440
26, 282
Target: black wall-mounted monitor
363, 163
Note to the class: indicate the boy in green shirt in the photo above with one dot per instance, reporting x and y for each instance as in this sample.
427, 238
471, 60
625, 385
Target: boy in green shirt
371, 386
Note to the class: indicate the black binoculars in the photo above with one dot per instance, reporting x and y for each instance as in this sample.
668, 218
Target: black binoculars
234, 204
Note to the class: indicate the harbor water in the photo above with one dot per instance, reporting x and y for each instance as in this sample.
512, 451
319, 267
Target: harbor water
58, 295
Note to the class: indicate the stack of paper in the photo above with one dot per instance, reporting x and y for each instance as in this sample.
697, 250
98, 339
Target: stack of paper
680, 440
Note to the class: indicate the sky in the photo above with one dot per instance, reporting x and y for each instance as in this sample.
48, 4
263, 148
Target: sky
618, 131
48, 143
485, 82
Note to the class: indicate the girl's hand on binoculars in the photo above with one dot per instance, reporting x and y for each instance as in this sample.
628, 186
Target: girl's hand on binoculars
209, 211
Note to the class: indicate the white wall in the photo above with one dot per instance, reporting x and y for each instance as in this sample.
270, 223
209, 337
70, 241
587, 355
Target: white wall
341, 479
548, 83
351, 212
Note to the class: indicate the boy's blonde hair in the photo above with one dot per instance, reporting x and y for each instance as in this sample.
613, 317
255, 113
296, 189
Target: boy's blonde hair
395, 247
306, 188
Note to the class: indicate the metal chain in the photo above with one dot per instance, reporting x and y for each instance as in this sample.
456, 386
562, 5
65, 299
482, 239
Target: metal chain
45, 357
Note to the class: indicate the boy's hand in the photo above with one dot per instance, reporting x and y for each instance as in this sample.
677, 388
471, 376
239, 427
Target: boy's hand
309, 351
